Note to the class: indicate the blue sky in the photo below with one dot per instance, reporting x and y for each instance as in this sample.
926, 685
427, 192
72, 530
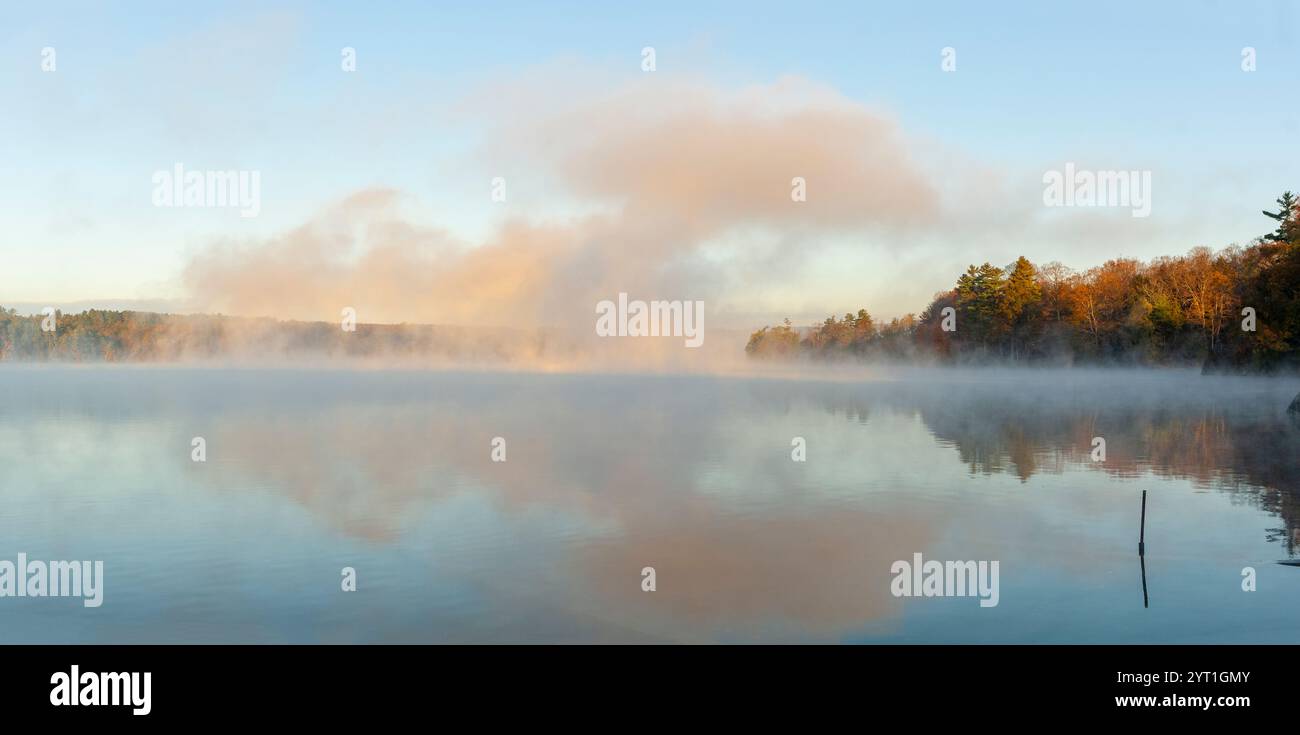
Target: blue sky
1153, 86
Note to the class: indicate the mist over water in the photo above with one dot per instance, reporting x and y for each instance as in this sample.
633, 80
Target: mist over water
389, 472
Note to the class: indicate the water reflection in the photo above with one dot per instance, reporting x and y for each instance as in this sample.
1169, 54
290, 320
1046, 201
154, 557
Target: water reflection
309, 470
1229, 434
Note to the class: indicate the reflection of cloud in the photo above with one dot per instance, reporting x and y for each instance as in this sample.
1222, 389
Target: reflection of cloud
366, 463
364, 449
820, 573
366, 455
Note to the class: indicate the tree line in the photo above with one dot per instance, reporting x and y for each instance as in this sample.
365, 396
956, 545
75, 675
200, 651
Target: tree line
1236, 309
98, 335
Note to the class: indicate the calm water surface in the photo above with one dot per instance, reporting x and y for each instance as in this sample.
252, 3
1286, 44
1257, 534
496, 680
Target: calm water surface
390, 473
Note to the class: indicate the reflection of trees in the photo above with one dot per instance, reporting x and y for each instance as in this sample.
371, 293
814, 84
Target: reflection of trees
1230, 435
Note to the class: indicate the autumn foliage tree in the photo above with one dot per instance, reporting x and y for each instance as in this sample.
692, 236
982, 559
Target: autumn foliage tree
1187, 309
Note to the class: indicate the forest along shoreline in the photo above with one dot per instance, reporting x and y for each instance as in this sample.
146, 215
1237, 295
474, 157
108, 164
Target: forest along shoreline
1232, 311
1235, 310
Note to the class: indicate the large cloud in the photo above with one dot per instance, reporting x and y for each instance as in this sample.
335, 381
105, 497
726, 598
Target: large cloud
663, 171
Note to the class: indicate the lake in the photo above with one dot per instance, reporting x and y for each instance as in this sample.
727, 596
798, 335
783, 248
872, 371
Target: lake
391, 473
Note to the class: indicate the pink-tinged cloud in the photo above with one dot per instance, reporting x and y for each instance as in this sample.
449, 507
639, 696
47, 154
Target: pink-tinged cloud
669, 167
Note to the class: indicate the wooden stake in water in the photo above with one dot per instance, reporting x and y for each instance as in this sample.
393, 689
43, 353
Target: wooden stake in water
1142, 532
1142, 549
